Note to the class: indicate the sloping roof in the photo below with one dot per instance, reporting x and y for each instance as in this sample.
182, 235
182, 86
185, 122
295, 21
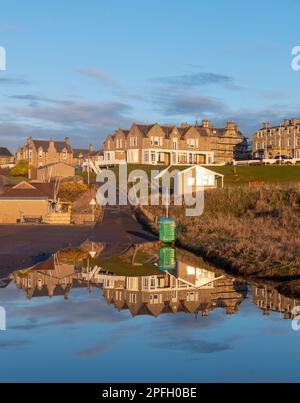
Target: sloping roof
25, 190
23, 194
59, 145
167, 129
78, 151
55, 163
4, 152
202, 169
144, 129
48, 189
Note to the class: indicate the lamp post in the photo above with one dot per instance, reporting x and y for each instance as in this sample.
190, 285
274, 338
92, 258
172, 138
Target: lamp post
93, 204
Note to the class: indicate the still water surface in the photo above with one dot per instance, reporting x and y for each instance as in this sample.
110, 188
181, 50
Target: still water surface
82, 320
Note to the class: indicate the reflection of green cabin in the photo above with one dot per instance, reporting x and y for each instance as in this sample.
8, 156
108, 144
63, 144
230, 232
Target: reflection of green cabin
167, 258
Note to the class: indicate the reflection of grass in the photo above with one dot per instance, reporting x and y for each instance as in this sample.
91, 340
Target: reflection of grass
123, 268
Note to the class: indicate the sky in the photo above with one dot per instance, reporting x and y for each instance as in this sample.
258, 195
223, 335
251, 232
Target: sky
83, 69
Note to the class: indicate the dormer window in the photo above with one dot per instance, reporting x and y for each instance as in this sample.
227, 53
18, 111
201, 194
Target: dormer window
64, 155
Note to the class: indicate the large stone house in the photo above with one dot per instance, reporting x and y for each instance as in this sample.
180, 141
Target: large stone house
282, 140
6, 157
40, 153
157, 144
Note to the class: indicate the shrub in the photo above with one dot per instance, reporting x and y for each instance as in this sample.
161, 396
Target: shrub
69, 191
21, 169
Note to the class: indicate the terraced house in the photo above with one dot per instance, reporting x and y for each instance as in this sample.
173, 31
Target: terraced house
6, 157
282, 140
41, 153
158, 144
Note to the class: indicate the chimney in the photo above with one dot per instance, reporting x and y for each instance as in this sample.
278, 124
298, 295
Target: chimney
231, 126
184, 125
286, 122
295, 121
91, 148
205, 123
67, 140
266, 125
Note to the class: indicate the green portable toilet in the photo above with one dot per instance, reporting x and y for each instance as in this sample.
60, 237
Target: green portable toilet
167, 258
167, 230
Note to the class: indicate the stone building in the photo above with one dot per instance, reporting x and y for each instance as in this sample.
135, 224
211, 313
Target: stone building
6, 157
157, 144
283, 140
40, 153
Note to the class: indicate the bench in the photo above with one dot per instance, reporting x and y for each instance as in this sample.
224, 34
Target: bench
32, 219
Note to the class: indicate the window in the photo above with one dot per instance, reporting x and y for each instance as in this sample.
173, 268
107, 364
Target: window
132, 298
174, 144
40, 153
192, 143
64, 155
153, 157
133, 141
146, 156
156, 141
152, 283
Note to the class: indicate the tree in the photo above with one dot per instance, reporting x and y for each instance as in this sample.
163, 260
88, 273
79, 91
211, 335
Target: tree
21, 169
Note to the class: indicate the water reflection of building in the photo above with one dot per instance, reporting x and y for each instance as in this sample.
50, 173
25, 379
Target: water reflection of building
51, 278
165, 293
268, 299
153, 294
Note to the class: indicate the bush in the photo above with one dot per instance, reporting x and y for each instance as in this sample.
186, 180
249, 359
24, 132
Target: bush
69, 191
21, 169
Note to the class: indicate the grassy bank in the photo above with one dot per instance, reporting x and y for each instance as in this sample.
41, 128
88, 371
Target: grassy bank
245, 231
236, 176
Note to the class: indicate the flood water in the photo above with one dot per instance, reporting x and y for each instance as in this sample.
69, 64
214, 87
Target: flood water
77, 318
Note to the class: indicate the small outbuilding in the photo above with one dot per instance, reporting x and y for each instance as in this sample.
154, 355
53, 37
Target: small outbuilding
52, 171
24, 202
198, 177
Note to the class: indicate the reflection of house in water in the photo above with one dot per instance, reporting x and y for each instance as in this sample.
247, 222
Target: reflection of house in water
268, 299
152, 295
51, 278
4, 282
166, 293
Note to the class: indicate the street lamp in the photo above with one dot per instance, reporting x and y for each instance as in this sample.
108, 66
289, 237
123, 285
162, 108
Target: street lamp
93, 204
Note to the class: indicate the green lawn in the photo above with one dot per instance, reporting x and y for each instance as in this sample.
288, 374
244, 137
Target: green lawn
241, 175
235, 176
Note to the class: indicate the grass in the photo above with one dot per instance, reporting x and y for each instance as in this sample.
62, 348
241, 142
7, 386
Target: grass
121, 267
251, 232
236, 176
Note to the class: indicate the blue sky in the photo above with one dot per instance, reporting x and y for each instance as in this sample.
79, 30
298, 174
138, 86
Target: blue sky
84, 68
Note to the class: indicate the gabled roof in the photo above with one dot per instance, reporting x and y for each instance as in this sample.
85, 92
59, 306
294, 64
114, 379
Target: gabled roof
168, 129
59, 145
80, 151
25, 190
202, 169
4, 152
144, 129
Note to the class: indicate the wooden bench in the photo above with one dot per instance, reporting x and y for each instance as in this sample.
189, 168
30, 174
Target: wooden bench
32, 219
